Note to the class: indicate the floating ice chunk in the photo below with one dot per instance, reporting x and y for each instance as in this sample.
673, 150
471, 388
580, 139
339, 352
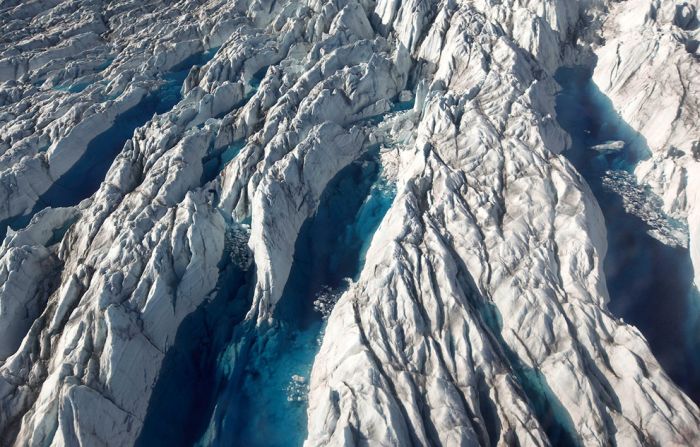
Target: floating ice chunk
609, 147
646, 205
325, 300
405, 96
298, 389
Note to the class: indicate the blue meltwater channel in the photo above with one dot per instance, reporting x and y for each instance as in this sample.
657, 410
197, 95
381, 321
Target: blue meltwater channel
650, 283
226, 382
265, 403
83, 179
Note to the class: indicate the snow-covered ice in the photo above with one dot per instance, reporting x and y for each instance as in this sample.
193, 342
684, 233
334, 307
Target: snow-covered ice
162, 161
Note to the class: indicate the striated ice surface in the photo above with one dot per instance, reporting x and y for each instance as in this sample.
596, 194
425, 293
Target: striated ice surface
650, 283
647, 66
349, 222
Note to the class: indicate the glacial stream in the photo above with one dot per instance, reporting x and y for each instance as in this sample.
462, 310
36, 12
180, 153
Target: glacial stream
265, 404
650, 283
237, 384
189, 382
83, 179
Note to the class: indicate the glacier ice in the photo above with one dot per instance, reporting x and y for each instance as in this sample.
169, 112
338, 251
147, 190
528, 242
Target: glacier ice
161, 162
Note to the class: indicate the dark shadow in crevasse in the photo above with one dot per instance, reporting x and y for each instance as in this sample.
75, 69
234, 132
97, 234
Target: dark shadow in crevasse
188, 384
262, 405
650, 283
84, 178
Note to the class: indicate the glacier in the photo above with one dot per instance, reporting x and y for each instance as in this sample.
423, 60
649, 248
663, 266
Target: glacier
349, 222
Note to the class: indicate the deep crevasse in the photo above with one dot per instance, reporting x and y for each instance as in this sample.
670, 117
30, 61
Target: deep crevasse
478, 315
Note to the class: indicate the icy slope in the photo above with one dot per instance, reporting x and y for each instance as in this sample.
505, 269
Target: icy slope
479, 315
648, 68
486, 288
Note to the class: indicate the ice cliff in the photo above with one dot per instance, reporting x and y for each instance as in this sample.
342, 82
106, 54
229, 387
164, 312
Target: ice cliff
135, 137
